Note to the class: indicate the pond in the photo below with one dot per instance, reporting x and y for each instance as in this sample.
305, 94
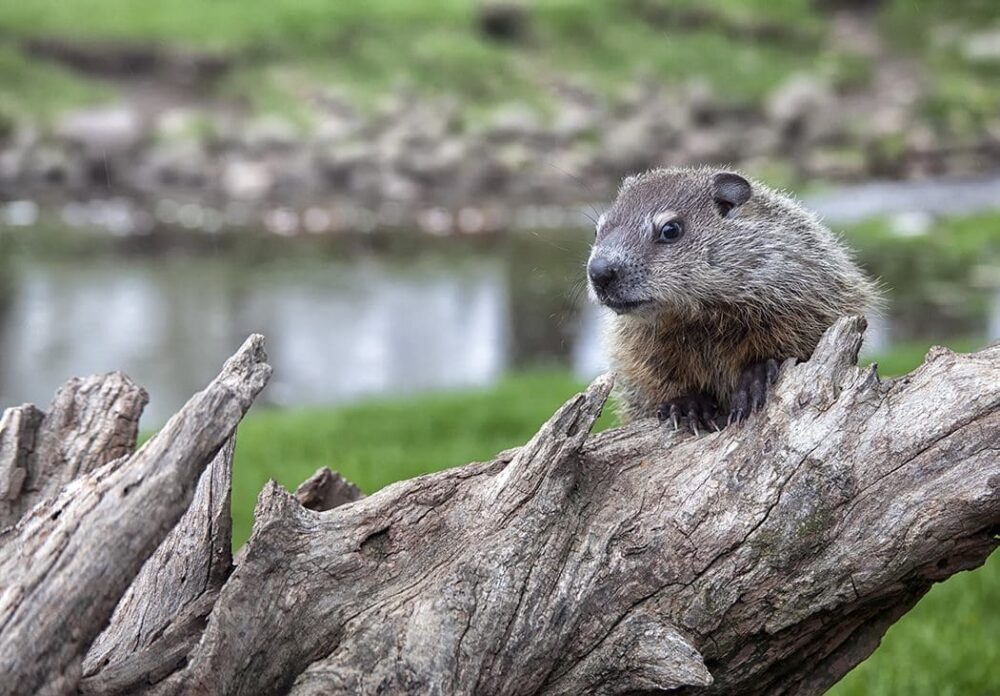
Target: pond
337, 329
339, 326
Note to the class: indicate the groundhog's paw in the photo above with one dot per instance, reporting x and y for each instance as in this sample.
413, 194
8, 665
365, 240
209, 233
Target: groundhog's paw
751, 391
697, 411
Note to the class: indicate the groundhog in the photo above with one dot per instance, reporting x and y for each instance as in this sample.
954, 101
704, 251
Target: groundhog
713, 281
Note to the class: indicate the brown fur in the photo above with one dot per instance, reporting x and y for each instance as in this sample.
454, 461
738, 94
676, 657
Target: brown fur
762, 282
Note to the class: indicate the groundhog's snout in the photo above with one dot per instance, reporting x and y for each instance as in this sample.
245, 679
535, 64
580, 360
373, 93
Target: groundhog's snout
602, 274
608, 281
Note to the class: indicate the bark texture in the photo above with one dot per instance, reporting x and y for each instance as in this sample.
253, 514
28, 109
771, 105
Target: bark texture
769, 558
325, 490
163, 612
91, 422
68, 561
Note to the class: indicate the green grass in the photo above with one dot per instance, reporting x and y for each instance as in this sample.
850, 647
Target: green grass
963, 94
946, 646
379, 442
30, 88
905, 356
291, 47
288, 48
940, 282
313, 25
440, 51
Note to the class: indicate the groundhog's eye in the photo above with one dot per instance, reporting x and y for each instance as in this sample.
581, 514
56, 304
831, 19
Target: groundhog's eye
669, 231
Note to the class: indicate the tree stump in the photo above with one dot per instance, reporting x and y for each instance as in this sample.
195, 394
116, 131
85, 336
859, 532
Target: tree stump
768, 558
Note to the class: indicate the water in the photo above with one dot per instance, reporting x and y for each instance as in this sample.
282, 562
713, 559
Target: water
851, 204
337, 330
340, 329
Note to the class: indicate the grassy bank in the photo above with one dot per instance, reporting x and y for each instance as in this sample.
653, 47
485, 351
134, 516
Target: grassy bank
940, 279
437, 45
947, 645
285, 47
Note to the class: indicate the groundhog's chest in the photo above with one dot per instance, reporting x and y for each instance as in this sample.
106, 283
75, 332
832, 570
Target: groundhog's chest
664, 363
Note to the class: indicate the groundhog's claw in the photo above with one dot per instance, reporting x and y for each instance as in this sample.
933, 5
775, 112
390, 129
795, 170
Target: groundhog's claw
699, 411
751, 392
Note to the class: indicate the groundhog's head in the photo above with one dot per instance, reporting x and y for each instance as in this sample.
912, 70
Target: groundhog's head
679, 239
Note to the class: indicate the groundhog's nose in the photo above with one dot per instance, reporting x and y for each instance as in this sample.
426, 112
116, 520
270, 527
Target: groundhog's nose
601, 272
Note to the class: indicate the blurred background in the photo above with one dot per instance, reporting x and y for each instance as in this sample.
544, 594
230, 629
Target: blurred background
399, 194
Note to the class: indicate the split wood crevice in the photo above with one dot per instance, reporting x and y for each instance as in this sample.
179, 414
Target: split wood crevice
769, 558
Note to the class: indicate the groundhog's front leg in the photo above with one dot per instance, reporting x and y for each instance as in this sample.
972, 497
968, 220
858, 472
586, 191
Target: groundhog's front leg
697, 410
751, 390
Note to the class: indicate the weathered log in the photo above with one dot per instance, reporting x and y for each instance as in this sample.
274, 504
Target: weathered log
325, 490
91, 422
66, 564
768, 558
163, 613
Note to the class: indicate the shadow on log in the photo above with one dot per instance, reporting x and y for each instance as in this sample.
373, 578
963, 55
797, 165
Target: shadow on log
768, 558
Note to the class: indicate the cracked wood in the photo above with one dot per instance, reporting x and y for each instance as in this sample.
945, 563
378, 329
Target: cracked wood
769, 558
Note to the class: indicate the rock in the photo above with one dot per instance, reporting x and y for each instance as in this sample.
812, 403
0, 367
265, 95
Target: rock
295, 178
11, 165
396, 186
183, 164
921, 138
514, 157
982, 47
317, 220
703, 104
436, 221
53, 166
514, 120
181, 124
574, 119
709, 146
334, 118
270, 133
801, 106
562, 178
283, 222
336, 163
889, 121
335, 127
471, 220
110, 130
834, 163
502, 20
14, 155
481, 173
434, 163
992, 130
246, 179
426, 122
364, 183
627, 144
447, 155
392, 145
20, 213
758, 140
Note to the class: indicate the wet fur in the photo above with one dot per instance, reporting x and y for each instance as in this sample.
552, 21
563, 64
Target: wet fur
763, 282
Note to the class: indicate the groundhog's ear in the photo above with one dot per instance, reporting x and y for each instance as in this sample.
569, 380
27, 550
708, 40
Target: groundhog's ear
729, 190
